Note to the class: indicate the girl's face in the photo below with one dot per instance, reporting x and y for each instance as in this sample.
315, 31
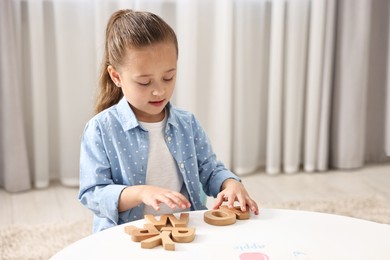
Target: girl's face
148, 79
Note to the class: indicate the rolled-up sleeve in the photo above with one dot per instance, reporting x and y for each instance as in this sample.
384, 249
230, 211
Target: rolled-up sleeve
97, 189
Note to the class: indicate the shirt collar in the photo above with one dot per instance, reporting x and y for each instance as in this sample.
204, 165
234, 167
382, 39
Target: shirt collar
129, 120
172, 116
126, 115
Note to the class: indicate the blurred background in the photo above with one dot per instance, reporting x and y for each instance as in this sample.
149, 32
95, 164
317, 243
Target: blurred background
281, 86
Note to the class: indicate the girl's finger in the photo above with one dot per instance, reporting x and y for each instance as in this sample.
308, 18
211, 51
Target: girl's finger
180, 201
231, 199
253, 206
242, 202
218, 201
166, 200
155, 204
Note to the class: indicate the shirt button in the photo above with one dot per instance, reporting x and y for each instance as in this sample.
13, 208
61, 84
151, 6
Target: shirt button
182, 165
169, 138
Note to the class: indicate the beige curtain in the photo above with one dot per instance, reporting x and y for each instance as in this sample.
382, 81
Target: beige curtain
310, 85
279, 85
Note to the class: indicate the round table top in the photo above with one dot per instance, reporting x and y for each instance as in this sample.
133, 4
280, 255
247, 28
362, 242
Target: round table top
273, 234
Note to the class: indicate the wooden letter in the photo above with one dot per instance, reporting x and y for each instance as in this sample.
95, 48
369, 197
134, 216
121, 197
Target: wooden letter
164, 231
181, 234
219, 217
168, 219
181, 222
157, 223
241, 215
140, 234
163, 238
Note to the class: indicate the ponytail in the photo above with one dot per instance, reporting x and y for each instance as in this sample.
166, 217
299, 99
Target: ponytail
108, 94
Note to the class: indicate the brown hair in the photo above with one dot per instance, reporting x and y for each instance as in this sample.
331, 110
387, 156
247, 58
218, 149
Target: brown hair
125, 29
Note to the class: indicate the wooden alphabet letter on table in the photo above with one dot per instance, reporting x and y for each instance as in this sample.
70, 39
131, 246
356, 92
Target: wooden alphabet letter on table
225, 216
139, 234
163, 232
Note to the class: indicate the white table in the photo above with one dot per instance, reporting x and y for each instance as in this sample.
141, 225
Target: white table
274, 234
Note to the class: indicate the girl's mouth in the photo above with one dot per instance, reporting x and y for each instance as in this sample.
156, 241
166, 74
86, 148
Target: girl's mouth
157, 103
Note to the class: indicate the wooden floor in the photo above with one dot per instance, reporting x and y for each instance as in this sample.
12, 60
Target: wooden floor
59, 204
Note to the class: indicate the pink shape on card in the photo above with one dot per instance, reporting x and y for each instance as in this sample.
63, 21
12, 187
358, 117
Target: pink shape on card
253, 256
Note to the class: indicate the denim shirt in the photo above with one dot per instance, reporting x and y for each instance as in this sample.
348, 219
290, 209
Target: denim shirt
114, 155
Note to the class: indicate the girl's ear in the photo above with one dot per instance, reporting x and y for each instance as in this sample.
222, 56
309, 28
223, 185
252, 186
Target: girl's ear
115, 77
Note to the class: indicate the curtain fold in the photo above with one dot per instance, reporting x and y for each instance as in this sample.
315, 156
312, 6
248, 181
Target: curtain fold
376, 117
14, 165
220, 121
387, 127
37, 87
314, 87
275, 90
350, 84
251, 63
297, 29
76, 80
279, 85
322, 163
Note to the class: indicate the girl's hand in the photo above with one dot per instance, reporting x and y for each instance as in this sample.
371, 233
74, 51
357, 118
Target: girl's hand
232, 191
153, 196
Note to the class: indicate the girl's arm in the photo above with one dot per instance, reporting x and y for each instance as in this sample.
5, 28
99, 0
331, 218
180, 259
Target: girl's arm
220, 182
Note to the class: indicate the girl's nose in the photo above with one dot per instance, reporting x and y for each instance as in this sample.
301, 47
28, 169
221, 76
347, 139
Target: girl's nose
158, 91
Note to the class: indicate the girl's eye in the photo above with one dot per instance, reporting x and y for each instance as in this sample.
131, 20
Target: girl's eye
169, 79
144, 84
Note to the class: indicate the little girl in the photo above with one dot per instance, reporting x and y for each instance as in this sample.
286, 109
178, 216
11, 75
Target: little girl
139, 154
